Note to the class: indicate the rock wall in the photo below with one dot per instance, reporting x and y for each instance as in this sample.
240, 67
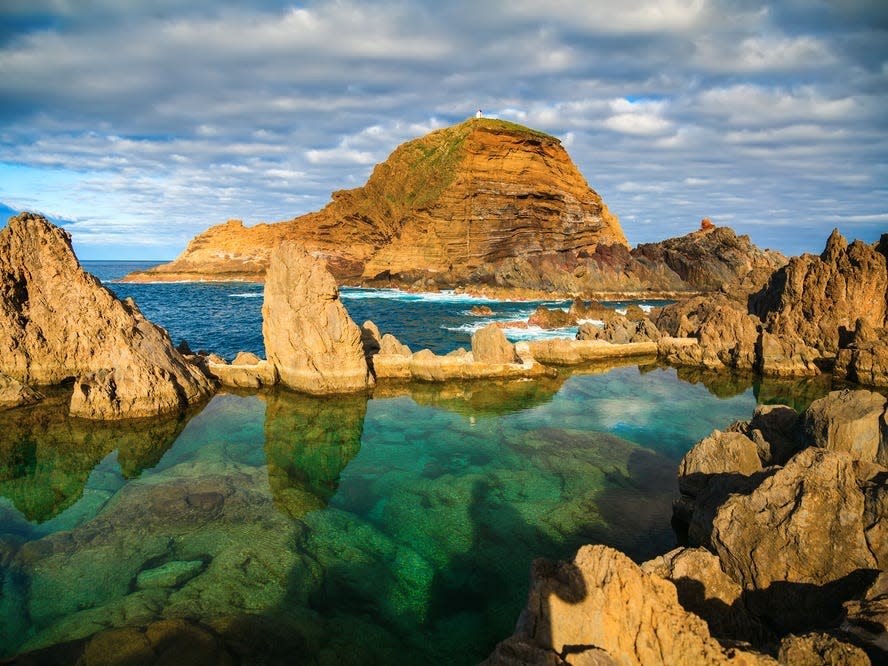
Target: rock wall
58, 322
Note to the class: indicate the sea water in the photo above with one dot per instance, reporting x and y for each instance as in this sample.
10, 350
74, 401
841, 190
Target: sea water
397, 528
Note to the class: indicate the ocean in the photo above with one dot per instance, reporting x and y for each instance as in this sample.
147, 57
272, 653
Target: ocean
393, 528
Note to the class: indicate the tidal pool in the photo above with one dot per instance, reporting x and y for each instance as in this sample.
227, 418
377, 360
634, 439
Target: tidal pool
275, 527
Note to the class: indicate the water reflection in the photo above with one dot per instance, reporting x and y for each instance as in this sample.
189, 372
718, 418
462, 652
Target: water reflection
308, 442
47, 456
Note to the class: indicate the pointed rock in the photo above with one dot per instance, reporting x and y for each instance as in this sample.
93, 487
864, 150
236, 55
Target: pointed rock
309, 337
58, 322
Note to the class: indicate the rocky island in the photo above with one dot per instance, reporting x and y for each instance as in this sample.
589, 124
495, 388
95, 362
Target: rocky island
486, 205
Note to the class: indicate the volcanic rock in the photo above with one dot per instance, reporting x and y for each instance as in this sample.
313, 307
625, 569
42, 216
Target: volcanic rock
57, 322
816, 649
603, 602
15, 394
309, 338
708, 592
863, 358
848, 421
811, 297
551, 318
620, 330
489, 345
445, 206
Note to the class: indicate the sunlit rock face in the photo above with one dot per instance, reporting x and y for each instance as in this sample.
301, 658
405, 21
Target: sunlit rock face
309, 337
58, 322
449, 207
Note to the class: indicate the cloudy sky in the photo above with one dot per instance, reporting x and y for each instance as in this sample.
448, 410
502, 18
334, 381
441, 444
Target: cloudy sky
141, 123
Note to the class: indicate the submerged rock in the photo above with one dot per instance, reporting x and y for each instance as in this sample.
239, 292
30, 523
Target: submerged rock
58, 322
309, 337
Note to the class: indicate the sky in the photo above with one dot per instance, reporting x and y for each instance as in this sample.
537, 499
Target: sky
138, 124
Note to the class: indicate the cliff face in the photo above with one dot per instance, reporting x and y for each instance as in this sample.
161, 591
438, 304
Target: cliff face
447, 207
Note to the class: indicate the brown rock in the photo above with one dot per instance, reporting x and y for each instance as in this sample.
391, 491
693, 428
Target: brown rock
57, 322
867, 618
371, 339
848, 421
873, 482
602, 601
719, 453
15, 394
489, 345
785, 357
309, 337
411, 219
243, 375
864, 356
563, 351
620, 330
818, 649
709, 593
480, 311
797, 540
580, 309
774, 429
812, 297
391, 346
551, 318
246, 358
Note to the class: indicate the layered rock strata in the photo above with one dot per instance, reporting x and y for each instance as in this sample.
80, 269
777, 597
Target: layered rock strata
310, 340
452, 203
58, 322
485, 203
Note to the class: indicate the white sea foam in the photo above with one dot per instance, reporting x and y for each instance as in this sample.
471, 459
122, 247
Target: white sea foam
444, 296
517, 333
257, 294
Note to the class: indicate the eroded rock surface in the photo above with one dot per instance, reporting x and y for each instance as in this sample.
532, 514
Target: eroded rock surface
58, 322
310, 340
604, 602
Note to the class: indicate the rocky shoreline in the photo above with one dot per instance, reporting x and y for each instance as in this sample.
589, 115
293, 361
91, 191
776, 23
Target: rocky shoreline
786, 516
785, 513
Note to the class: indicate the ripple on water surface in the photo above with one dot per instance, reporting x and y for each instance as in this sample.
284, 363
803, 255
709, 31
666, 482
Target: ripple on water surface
397, 529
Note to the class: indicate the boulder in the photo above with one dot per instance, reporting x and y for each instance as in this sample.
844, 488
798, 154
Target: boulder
246, 358
15, 394
620, 330
489, 345
58, 322
371, 339
775, 431
848, 421
309, 338
777, 356
240, 374
797, 541
551, 318
480, 311
873, 482
863, 357
866, 618
709, 593
719, 453
604, 602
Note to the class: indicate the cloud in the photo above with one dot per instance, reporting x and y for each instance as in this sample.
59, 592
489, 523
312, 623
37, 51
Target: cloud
148, 121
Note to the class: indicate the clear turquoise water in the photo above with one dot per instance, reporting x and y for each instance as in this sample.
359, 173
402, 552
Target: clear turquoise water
397, 528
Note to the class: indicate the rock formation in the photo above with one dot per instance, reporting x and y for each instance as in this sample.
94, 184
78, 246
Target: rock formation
57, 323
15, 394
310, 340
448, 205
812, 297
485, 203
603, 609
796, 321
791, 513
